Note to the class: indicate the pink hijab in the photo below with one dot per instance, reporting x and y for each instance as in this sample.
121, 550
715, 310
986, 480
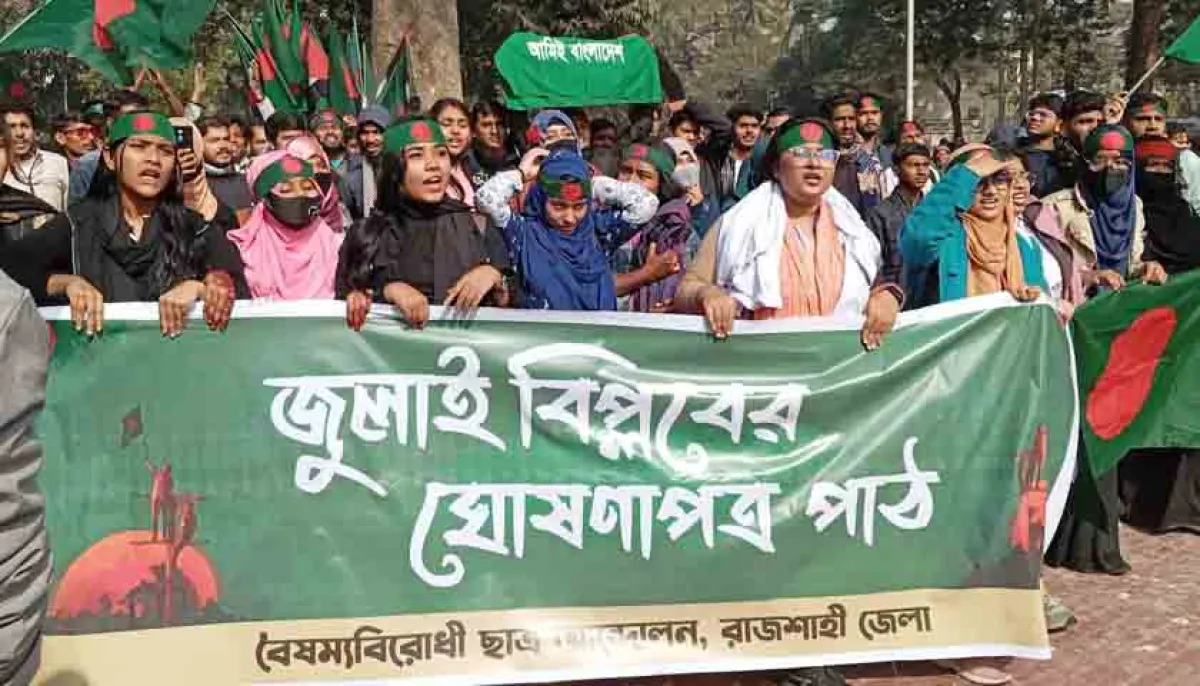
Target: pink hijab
308, 149
284, 263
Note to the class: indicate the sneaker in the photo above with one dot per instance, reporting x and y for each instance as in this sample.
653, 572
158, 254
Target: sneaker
1058, 616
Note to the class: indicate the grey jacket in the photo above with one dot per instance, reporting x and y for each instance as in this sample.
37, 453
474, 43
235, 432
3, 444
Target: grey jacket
25, 562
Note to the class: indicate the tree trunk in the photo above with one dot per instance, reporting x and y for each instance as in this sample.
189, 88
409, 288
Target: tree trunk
433, 34
1148, 16
949, 82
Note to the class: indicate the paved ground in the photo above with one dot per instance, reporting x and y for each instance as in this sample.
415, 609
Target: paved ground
1142, 629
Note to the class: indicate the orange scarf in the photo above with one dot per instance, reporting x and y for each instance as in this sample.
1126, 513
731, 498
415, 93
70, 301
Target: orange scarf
810, 276
993, 255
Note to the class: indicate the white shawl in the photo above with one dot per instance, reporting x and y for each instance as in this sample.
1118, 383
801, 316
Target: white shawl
750, 246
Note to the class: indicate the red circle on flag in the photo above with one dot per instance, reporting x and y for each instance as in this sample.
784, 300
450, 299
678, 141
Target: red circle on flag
292, 165
16, 89
812, 131
143, 122
1113, 140
640, 151
421, 131
572, 192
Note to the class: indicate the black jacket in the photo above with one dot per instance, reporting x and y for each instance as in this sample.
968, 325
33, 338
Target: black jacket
886, 220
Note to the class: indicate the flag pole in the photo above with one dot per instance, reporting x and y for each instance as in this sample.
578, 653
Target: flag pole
908, 87
24, 20
1142, 81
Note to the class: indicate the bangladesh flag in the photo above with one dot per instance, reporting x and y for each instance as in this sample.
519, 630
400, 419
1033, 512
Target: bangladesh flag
112, 35
358, 58
1138, 355
393, 92
284, 52
1186, 48
343, 88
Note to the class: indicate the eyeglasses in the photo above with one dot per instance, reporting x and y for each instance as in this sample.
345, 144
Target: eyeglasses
1001, 179
826, 155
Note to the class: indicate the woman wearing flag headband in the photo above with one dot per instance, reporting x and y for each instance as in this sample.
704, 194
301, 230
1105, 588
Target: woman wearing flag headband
793, 247
419, 246
132, 239
572, 223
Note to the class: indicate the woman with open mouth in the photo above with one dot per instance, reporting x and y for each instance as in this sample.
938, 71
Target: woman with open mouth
133, 240
419, 246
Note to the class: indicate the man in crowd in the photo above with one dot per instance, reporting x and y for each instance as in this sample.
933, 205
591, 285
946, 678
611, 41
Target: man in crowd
683, 125
24, 551
1146, 117
226, 182
239, 135
913, 165
123, 102
327, 128
603, 134
1043, 123
775, 119
912, 132
730, 157
259, 143
1179, 136
75, 137
1082, 112
858, 172
40, 172
285, 127
869, 110
490, 153
362, 171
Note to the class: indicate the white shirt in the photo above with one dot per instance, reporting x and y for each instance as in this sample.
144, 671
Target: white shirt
45, 175
1050, 267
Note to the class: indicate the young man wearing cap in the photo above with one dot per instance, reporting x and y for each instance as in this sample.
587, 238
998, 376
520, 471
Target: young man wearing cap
1043, 124
361, 171
39, 172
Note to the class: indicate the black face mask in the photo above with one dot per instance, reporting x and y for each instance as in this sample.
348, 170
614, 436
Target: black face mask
296, 213
325, 181
1156, 187
1107, 182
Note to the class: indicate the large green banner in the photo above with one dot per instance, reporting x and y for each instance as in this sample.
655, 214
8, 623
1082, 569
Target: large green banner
549, 71
538, 496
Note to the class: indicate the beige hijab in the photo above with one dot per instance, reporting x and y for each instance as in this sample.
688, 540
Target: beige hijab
993, 254
196, 193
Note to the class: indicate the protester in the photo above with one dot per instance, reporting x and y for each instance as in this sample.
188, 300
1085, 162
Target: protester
890, 179
1039, 222
226, 182
133, 240
490, 152
948, 255
550, 126
869, 112
259, 143
858, 172
239, 143
1104, 223
26, 571
39, 172
75, 137
911, 132
775, 119
912, 166
86, 168
683, 125
454, 118
419, 246
361, 171
327, 128
704, 210
941, 155
563, 241
289, 252
754, 263
197, 193
1043, 124
1082, 112
1179, 135
1160, 489
332, 210
1145, 116
648, 267
21, 214
603, 135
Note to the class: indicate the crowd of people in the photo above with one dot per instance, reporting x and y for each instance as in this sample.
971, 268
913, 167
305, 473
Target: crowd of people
742, 215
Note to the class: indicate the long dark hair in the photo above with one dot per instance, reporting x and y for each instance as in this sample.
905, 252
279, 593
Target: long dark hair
356, 262
180, 255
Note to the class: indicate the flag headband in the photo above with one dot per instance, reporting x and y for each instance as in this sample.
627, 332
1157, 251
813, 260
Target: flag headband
1153, 106
1108, 137
141, 124
1156, 147
807, 132
657, 157
566, 188
282, 170
416, 132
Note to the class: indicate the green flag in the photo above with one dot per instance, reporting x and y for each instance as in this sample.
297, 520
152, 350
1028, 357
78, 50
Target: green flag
545, 71
275, 88
1186, 48
285, 52
69, 25
1138, 354
155, 33
343, 88
393, 92
358, 59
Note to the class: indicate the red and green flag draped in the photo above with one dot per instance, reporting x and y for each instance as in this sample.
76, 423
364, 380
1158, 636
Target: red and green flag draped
1138, 355
358, 58
344, 96
394, 91
112, 35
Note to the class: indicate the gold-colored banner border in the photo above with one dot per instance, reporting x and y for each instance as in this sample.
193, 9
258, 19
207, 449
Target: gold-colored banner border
523, 646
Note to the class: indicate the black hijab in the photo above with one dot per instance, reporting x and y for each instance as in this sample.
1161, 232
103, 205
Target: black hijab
1172, 226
